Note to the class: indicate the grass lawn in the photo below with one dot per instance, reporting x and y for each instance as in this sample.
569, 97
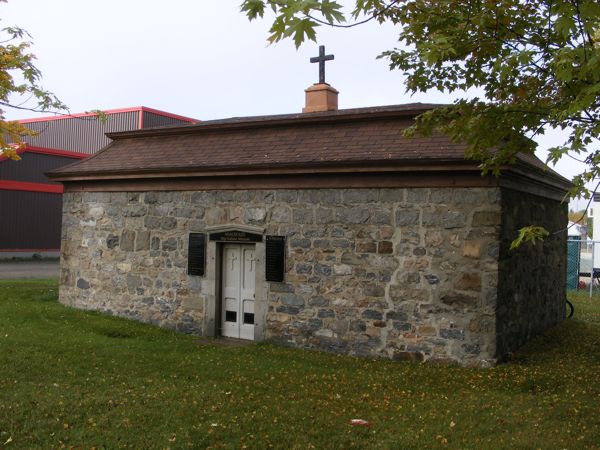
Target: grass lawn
75, 379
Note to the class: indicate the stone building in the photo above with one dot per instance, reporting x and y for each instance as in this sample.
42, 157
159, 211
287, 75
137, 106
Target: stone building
326, 230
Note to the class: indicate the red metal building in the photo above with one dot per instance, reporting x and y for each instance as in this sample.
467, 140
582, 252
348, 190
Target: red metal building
31, 204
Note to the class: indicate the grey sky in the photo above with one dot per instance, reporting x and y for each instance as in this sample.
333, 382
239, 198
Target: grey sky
201, 59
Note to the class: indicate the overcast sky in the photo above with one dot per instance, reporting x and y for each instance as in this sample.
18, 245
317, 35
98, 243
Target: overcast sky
201, 59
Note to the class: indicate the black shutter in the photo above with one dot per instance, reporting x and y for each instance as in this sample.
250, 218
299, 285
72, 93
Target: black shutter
196, 254
275, 258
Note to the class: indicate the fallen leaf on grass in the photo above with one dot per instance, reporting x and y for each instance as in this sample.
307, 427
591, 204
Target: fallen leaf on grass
359, 422
441, 439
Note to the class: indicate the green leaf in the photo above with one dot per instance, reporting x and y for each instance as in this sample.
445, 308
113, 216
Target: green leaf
253, 8
301, 29
332, 12
565, 25
589, 10
100, 115
530, 234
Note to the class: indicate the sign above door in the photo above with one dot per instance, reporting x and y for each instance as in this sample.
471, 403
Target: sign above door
235, 236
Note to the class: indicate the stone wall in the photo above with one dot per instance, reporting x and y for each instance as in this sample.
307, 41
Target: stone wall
399, 273
532, 278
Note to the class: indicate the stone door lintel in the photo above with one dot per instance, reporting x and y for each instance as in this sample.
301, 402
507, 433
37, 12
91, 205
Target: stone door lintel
236, 227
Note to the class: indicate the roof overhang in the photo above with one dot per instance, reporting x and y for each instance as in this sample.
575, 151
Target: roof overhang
407, 176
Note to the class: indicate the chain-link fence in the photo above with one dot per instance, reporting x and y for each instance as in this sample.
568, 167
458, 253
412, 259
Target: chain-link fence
583, 266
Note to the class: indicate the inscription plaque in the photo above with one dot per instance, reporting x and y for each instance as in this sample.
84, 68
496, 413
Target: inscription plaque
196, 254
274, 258
235, 236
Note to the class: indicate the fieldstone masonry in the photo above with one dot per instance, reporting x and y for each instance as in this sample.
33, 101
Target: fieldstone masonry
416, 273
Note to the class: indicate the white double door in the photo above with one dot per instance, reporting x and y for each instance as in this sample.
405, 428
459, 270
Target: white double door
238, 278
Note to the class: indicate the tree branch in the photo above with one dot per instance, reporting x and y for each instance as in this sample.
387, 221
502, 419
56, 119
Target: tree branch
355, 24
56, 113
25, 108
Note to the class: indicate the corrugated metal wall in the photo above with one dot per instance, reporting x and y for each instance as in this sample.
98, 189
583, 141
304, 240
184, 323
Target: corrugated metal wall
30, 220
32, 167
84, 135
156, 120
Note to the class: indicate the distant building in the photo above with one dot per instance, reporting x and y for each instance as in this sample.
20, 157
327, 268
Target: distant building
30, 204
594, 214
576, 231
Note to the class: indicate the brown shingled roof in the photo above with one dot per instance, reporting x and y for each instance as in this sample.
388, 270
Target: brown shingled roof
355, 137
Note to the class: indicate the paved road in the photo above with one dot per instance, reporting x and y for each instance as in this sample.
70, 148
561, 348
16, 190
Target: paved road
29, 269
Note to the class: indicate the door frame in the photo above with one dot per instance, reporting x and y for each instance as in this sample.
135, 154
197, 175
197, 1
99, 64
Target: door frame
242, 327
212, 288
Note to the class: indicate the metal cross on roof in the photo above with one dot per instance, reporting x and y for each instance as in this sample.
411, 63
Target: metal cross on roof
321, 60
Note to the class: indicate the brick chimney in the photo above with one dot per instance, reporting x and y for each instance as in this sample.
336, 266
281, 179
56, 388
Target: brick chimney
320, 97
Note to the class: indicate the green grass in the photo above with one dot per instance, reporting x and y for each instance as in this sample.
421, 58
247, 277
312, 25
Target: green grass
76, 379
